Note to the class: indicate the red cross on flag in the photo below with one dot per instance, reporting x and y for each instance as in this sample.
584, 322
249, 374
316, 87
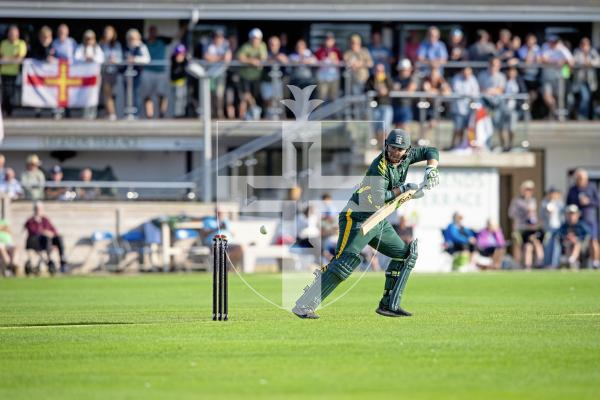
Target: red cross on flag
53, 85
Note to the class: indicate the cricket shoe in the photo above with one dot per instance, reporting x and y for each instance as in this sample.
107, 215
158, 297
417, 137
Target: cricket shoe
386, 312
304, 313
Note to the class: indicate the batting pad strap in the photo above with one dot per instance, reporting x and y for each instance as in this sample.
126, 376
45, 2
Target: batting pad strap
344, 265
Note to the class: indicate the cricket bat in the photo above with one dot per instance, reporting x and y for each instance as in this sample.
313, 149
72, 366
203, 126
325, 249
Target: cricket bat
389, 208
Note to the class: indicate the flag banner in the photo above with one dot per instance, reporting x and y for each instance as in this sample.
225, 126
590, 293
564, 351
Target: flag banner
61, 84
480, 128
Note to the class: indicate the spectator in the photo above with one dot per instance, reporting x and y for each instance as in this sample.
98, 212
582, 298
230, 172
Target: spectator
379, 53
492, 84
57, 193
328, 75
573, 236
11, 186
529, 54
491, 243
272, 91
33, 179
526, 229
515, 46
233, 87
154, 81
552, 209
64, 46
404, 229
381, 83
42, 235
179, 81
86, 192
302, 75
458, 50
252, 53
555, 56
585, 196
460, 239
136, 55
358, 61
42, 50
407, 82
411, 47
328, 209
514, 86
483, 49
435, 85
219, 51
113, 54
89, 51
586, 60
463, 84
2, 168
432, 51
504, 50
7, 250
12, 52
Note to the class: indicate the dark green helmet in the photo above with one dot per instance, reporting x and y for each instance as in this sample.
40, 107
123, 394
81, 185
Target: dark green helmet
398, 138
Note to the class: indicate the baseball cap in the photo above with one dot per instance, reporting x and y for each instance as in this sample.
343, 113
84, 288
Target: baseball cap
553, 38
572, 209
33, 159
179, 49
404, 64
56, 169
457, 32
255, 34
528, 184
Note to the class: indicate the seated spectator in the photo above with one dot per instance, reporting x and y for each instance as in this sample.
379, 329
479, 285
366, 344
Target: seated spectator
113, 53
87, 193
272, 91
586, 60
11, 186
458, 50
529, 54
584, 195
328, 209
514, 86
491, 243
219, 51
381, 83
409, 82
42, 49
551, 212
302, 74
460, 239
358, 61
252, 53
179, 63
89, 51
155, 85
527, 235
56, 193
42, 236
555, 55
136, 55
432, 53
33, 179
463, 84
573, 236
492, 84
483, 49
404, 229
328, 75
7, 250
12, 52
379, 53
64, 46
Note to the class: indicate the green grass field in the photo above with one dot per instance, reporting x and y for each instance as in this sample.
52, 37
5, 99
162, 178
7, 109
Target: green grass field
488, 336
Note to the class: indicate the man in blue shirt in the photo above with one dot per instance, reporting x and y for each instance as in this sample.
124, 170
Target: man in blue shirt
432, 51
573, 236
585, 196
64, 46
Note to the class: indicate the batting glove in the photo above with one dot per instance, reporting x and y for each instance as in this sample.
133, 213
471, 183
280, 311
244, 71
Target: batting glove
432, 177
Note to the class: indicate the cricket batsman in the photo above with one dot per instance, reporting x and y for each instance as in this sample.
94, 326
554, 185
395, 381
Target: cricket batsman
383, 182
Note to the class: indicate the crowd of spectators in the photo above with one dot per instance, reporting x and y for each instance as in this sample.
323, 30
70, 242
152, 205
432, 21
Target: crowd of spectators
562, 231
154, 71
32, 183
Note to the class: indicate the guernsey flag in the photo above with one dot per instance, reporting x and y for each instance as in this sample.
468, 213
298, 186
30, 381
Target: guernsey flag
61, 84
